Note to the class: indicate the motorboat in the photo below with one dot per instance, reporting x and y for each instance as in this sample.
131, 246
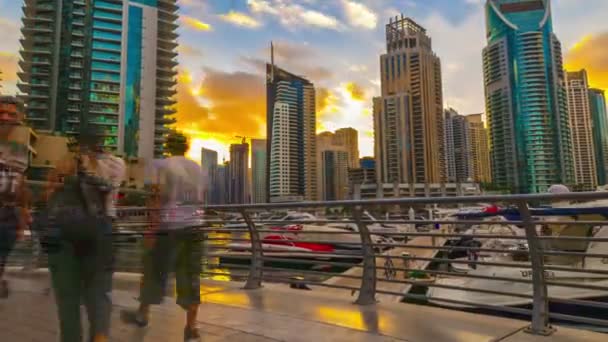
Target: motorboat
290, 217
376, 227
577, 262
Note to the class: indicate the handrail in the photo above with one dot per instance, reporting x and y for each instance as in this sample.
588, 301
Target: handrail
373, 262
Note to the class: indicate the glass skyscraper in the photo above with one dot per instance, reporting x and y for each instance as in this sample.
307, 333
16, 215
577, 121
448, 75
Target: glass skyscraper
109, 62
526, 99
600, 133
291, 131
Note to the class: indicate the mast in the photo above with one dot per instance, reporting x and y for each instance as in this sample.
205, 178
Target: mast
271, 61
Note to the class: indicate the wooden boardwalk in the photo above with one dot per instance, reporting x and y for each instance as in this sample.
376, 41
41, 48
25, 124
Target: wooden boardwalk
396, 261
273, 313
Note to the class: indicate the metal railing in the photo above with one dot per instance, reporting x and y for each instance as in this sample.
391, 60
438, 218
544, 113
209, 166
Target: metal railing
536, 268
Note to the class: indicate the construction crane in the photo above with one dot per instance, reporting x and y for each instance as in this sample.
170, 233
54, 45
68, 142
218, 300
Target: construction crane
243, 138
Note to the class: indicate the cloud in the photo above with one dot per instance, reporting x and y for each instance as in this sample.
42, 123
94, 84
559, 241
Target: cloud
346, 106
188, 50
292, 15
359, 15
241, 19
591, 53
299, 59
222, 103
357, 68
195, 24
9, 68
356, 91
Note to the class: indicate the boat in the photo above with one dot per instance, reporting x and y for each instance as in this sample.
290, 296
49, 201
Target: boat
478, 301
376, 227
291, 216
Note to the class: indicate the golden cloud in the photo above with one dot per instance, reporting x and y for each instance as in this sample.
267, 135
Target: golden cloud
356, 91
195, 24
241, 19
591, 53
8, 66
188, 50
234, 104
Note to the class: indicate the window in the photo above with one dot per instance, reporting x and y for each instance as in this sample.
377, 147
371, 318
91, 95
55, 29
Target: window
114, 56
106, 66
106, 35
103, 76
106, 45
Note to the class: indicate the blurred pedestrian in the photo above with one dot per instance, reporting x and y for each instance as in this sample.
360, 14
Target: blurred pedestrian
172, 243
14, 216
79, 241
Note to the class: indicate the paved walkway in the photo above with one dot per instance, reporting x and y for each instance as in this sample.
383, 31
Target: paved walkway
274, 313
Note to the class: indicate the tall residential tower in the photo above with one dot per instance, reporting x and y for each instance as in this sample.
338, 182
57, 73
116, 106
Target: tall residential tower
291, 136
258, 171
581, 130
408, 116
110, 63
525, 95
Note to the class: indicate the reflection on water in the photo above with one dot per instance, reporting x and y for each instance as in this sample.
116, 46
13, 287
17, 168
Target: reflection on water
218, 262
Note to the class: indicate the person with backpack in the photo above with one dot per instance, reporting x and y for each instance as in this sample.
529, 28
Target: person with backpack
79, 240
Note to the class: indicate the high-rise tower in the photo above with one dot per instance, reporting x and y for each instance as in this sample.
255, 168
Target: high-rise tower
480, 149
408, 117
291, 136
238, 187
581, 130
526, 100
105, 67
600, 133
258, 171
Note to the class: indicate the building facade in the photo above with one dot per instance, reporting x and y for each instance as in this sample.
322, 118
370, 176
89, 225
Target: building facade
209, 176
581, 131
258, 171
333, 160
238, 174
221, 186
104, 67
408, 116
599, 115
349, 137
458, 148
291, 136
525, 94
480, 149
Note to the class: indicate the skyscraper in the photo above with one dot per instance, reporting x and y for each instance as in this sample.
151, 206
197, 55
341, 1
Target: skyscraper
525, 93
480, 149
258, 171
110, 63
291, 132
221, 187
458, 147
333, 158
599, 116
581, 130
349, 138
209, 175
408, 117
238, 187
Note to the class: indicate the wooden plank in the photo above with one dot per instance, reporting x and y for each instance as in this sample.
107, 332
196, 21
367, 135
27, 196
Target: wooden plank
396, 262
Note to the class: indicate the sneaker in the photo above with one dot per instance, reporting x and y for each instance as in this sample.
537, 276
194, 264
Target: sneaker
4, 291
133, 318
191, 335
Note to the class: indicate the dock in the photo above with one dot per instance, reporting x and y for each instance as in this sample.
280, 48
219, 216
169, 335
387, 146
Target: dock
393, 258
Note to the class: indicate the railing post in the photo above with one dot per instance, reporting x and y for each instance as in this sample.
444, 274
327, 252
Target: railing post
367, 291
254, 280
540, 305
